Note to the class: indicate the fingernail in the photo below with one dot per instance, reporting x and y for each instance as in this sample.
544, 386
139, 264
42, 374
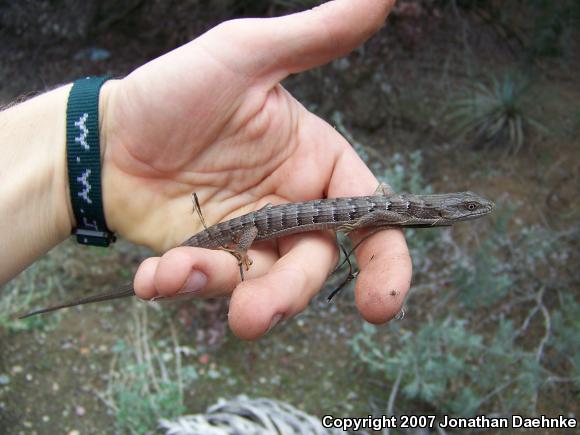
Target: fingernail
275, 320
195, 282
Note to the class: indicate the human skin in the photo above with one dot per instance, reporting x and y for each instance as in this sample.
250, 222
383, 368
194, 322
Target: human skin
211, 117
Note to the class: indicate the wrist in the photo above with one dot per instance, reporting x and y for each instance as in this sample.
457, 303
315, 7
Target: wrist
105, 100
103, 129
106, 103
84, 162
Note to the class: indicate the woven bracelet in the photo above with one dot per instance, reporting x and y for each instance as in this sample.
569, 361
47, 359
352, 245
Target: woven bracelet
84, 162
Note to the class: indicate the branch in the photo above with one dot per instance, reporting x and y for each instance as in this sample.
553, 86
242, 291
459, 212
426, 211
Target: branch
393, 396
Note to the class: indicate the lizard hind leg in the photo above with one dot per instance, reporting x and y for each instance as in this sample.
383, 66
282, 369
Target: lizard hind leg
352, 274
384, 189
349, 253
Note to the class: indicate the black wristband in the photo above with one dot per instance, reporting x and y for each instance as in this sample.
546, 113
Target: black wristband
84, 162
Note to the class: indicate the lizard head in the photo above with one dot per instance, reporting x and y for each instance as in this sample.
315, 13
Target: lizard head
464, 206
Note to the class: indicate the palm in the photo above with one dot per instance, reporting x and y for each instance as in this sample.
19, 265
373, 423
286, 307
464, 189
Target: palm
182, 138
212, 118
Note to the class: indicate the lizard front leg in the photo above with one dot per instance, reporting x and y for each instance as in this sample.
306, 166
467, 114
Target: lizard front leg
240, 246
376, 219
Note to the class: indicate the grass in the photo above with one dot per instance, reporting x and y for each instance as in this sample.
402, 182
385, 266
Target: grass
66, 272
36, 284
147, 379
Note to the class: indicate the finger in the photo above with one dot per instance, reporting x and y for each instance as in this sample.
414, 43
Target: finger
258, 304
143, 281
297, 42
385, 275
383, 259
350, 176
198, 272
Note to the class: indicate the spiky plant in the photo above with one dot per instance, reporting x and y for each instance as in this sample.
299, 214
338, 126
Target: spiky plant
494, 112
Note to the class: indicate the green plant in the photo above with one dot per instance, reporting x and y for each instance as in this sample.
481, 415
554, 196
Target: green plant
498, 359
36, 284
494, 112
147, 379
67, 269
566, 340
530, 29
481, 277
446, 364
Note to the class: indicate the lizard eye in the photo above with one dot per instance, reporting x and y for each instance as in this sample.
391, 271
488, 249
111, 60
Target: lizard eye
471, 206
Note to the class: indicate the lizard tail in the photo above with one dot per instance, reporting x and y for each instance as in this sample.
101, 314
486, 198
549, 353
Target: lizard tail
126, 291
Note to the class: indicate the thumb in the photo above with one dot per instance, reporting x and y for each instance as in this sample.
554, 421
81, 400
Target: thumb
280, 46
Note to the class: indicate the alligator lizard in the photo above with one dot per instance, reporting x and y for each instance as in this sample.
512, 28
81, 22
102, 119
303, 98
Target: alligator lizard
381, 210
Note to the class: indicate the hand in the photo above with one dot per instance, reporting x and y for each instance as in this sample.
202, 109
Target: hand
211, 117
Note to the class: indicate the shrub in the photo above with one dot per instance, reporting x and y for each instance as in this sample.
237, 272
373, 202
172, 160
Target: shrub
452, 368
505, 328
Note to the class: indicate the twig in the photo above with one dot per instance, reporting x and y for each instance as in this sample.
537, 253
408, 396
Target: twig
466, 46
526, 323
547, 326
177, 351
440, 430
558, 379
149, 351
107, 397
497, 391
545, 338
393, 396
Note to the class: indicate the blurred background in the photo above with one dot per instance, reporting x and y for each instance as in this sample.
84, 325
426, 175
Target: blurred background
450, 95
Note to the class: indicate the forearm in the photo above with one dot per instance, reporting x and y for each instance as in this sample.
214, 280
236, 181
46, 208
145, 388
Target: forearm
35, 212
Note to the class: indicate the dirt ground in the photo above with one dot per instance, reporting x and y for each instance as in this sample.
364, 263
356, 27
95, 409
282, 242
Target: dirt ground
53, 375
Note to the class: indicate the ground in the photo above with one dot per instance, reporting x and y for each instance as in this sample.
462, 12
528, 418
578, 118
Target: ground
57, 374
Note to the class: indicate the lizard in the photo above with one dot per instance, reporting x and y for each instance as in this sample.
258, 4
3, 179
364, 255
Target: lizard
383, 209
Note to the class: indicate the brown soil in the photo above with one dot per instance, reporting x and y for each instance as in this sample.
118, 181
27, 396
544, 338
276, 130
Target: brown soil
53, 372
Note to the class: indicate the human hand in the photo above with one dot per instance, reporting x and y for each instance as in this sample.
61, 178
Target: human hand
211, 117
